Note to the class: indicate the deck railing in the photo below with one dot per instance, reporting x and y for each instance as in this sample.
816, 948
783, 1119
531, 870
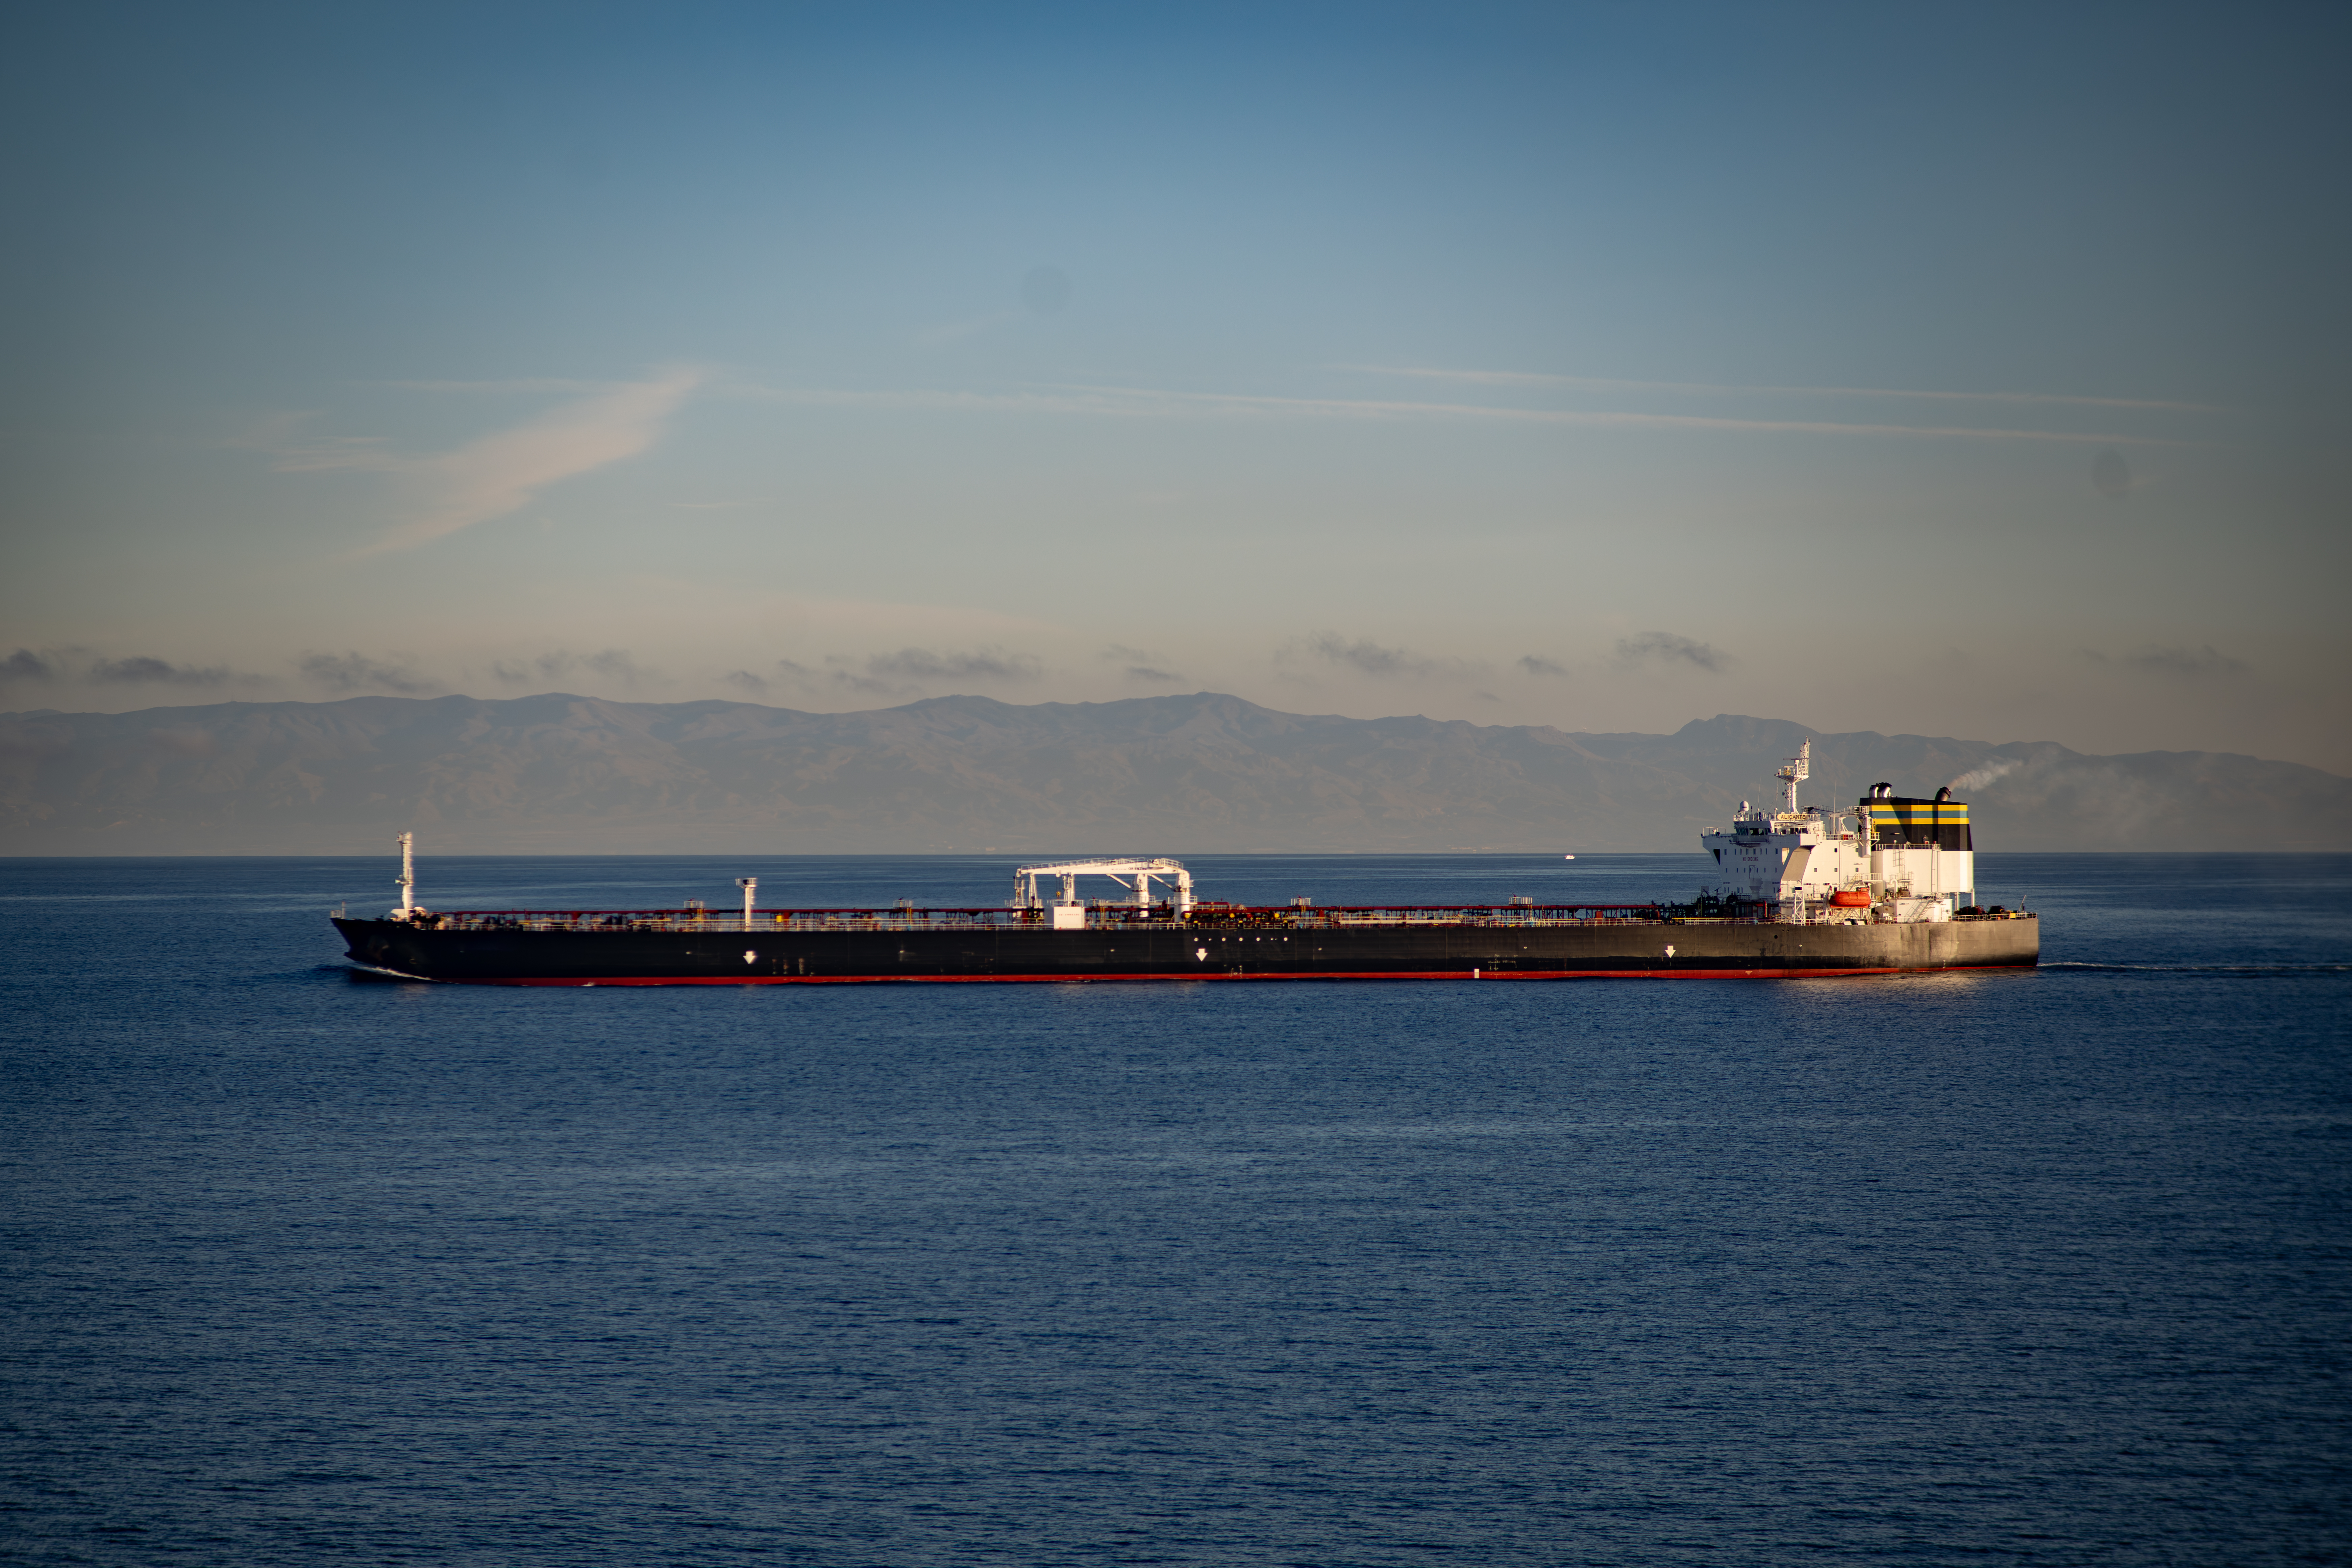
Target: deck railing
1110, 917
1114, 916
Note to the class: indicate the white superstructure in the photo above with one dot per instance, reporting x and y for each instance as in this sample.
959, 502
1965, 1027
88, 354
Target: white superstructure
1894, 859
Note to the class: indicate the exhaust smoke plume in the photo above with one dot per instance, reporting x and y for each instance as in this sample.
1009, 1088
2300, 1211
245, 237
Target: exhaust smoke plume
1980, 777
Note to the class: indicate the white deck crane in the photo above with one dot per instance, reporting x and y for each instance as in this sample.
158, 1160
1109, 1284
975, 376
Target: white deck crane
1070, 914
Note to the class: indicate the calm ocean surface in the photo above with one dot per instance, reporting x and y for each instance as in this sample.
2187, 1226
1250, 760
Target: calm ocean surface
2052, 1267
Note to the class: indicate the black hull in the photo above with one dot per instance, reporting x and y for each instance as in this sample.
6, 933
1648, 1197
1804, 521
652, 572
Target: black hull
1615, 949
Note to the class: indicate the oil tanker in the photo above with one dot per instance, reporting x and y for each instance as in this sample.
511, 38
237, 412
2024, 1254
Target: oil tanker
1886, 888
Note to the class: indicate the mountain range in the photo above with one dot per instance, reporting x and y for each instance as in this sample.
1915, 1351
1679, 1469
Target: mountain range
563, 775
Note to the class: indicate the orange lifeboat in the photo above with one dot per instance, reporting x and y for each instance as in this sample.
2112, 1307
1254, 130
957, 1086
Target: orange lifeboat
1851, 899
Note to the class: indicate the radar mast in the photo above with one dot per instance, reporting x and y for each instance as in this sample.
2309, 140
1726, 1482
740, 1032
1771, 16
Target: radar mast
1796, 768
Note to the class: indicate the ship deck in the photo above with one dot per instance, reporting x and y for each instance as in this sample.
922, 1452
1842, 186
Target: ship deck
1109, 917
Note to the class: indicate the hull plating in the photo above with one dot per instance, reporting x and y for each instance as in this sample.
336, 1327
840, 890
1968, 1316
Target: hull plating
1660, 951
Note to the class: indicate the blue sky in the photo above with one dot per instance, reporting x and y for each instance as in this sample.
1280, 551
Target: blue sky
1953, 371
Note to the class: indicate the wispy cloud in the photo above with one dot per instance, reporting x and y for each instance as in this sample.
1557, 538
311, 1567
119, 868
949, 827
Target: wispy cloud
1711, 388
1669, 649
501, 473
922, 664
1139, 403
1534, 664
615, 664
2185, 663
1367, 658
346, 673
139, 670
75, 666
1141, 664
1364, 656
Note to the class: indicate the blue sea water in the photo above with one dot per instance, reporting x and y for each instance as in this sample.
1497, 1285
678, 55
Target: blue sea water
2042, 1268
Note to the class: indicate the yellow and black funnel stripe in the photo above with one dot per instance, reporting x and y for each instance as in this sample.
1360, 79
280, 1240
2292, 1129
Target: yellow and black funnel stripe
1902, 820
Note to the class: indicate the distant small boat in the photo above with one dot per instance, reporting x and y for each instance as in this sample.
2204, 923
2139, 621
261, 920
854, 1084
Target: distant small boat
1568, 856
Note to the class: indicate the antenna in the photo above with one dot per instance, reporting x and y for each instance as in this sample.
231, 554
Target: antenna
407, 875
1797, 767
